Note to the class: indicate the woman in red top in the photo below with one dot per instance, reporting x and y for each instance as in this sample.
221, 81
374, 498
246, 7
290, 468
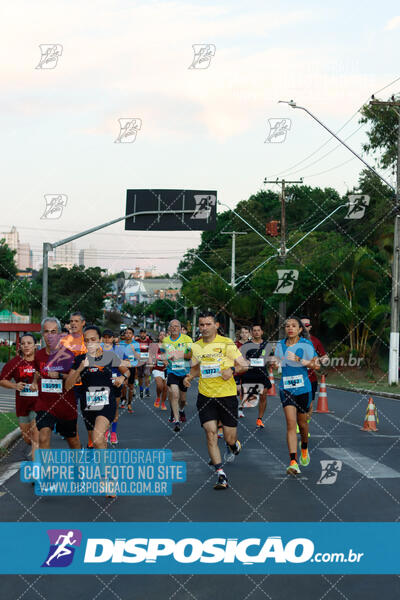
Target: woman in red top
21, 369
158, 365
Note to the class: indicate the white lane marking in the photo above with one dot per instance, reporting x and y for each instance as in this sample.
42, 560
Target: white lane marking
363, 464
9, 472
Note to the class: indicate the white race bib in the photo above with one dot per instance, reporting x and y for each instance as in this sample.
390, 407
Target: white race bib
144, 355
114, 377
97, 399
26, 391
256, 362
178, 365
293, 382
160, 363
52, 386
210, 370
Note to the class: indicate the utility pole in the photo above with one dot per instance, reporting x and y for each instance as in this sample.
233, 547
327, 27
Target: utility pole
233, 272
283, 250
393, 375
194, 324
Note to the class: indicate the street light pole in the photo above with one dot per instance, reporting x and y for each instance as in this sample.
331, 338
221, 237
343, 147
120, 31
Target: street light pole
393, 374
233, 271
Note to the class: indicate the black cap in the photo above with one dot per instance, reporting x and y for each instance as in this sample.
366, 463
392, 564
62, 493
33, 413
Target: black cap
108, 332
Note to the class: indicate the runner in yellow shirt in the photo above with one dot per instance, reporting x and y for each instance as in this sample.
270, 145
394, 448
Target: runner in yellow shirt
215, 359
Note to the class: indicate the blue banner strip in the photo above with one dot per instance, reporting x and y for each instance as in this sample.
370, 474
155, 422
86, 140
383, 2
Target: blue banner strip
201, 548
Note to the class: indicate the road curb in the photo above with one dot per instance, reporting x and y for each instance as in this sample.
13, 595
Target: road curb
10, 438
363, 391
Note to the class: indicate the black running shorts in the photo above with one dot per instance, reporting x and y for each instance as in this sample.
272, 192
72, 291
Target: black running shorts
66, 429
301, 401
218, 409
173, 379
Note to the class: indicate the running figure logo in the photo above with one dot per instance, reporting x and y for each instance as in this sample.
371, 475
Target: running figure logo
330, 471
204, 206
251, 394
128, 129
62, 547
278, 129
55, 204
203, 54
287, 279
356, 206
50, 54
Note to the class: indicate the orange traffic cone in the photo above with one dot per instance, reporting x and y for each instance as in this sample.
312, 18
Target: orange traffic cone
371, 417
272, 389
322, 406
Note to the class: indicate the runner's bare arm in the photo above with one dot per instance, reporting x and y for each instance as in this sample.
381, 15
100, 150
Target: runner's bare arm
75, 374
194, 372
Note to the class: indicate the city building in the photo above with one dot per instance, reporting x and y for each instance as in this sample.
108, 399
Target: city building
88, 257
23, 257
65, 256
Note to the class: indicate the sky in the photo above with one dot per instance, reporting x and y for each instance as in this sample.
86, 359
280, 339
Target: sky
201, 128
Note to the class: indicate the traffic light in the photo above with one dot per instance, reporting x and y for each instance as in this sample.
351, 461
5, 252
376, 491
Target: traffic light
272, 228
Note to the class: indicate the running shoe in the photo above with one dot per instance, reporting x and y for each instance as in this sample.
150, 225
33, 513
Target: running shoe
222, 483
157, 403
220, 432
305, 460
176, 426
130, 409
107, 435
260, 424
171, 418
163, 406
241, 414
147, 393
182, 416
229, 455
293, 468
113, 438
141, 394
122, 403
90, 444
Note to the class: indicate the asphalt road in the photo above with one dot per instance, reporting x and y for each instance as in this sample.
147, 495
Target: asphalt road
367, 489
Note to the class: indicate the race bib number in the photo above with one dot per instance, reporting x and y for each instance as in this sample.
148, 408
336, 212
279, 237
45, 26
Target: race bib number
209, 371
294, 382
52, 386
178, 365
97, 399
256, 362
144, 355
160, 363
26, 391
114, 377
